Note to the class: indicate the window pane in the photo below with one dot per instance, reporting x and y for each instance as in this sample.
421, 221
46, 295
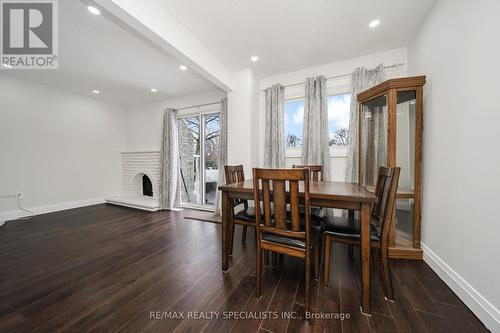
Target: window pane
189, 154
294, 120
212, 135
338, 119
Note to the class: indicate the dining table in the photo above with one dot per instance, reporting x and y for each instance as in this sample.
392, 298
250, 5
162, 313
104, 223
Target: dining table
327, 194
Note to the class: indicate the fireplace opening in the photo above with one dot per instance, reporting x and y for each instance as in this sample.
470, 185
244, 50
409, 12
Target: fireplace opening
147, 186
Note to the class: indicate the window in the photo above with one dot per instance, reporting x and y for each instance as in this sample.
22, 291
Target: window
294, 122
338, 121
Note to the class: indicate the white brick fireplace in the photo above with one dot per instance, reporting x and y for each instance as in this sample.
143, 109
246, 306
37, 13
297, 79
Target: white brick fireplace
137, 168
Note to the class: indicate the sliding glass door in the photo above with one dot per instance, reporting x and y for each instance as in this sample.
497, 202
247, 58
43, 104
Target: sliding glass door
198, 152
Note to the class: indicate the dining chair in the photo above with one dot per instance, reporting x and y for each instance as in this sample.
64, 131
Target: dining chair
278, 231
338, 229
246, 215
315, 171
315, 174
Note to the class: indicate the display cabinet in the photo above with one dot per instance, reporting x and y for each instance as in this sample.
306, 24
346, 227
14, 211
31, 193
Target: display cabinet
390, 134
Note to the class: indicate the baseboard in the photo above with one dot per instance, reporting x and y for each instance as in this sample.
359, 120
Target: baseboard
17, 214
477, 303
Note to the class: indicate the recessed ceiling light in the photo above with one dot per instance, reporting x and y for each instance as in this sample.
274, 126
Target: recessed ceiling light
154, 90
374, 23
183, 68
96, 91
94, 10
254, 58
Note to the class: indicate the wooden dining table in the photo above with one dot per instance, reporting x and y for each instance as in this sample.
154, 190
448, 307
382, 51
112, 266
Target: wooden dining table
328, 194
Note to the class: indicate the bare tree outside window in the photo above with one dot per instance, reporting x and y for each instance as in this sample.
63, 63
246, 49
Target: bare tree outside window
340, 137
293, 141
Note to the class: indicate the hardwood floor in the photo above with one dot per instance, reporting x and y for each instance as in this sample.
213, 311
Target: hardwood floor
107, 269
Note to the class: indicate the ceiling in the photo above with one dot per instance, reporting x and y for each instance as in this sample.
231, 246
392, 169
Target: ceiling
289, 35
97, 54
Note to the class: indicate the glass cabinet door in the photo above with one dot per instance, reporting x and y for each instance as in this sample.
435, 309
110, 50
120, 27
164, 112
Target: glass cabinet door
405, 159
374, 118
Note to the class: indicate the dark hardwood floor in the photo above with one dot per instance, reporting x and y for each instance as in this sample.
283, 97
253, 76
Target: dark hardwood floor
107, 269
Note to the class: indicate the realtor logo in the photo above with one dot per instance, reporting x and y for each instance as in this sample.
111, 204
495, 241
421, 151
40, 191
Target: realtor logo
29, 34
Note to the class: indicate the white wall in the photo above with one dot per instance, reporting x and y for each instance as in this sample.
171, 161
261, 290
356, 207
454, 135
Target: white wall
335, 86
144, 121
55, 146
242, 121
458, 48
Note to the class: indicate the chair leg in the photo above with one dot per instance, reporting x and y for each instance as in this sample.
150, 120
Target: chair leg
265, 253
316, 261
350, 250
231, 241
375, 258
258, 274
308, 283
389, 291
244, 235
326, 259
274, 257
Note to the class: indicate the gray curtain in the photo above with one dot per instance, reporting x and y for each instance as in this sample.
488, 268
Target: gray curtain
222, 159
362, 79
315, 146
274, 150
169, 161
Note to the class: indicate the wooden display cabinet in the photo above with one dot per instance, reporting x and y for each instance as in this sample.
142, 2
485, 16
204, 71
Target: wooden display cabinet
390, 134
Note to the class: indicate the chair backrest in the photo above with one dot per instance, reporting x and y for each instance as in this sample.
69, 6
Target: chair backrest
385, 190
235, 174
277, 188
316, 171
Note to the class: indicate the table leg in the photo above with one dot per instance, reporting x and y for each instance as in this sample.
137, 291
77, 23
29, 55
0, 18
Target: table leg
365, 258
226, 205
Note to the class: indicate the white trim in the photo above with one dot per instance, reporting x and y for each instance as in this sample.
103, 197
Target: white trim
16, 214
335, 152
197, 110
137, 202
140, 152
477, 303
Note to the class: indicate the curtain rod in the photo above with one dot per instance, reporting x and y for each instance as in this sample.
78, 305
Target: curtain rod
398, 64
197, 106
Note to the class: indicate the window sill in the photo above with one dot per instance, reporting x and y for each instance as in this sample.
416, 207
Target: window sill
335, 152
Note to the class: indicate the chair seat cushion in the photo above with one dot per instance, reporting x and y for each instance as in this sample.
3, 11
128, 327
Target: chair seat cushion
339, 226
289, 241
246, 214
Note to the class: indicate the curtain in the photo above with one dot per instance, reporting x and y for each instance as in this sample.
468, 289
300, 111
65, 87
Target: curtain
362, 79
222, 158
274, 151
169, 161
315, 141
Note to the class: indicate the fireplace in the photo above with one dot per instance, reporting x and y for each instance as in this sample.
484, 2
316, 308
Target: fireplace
140, 181
143, 184
147, 186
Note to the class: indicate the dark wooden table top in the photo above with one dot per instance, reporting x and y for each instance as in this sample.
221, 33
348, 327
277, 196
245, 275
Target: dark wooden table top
328, 190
